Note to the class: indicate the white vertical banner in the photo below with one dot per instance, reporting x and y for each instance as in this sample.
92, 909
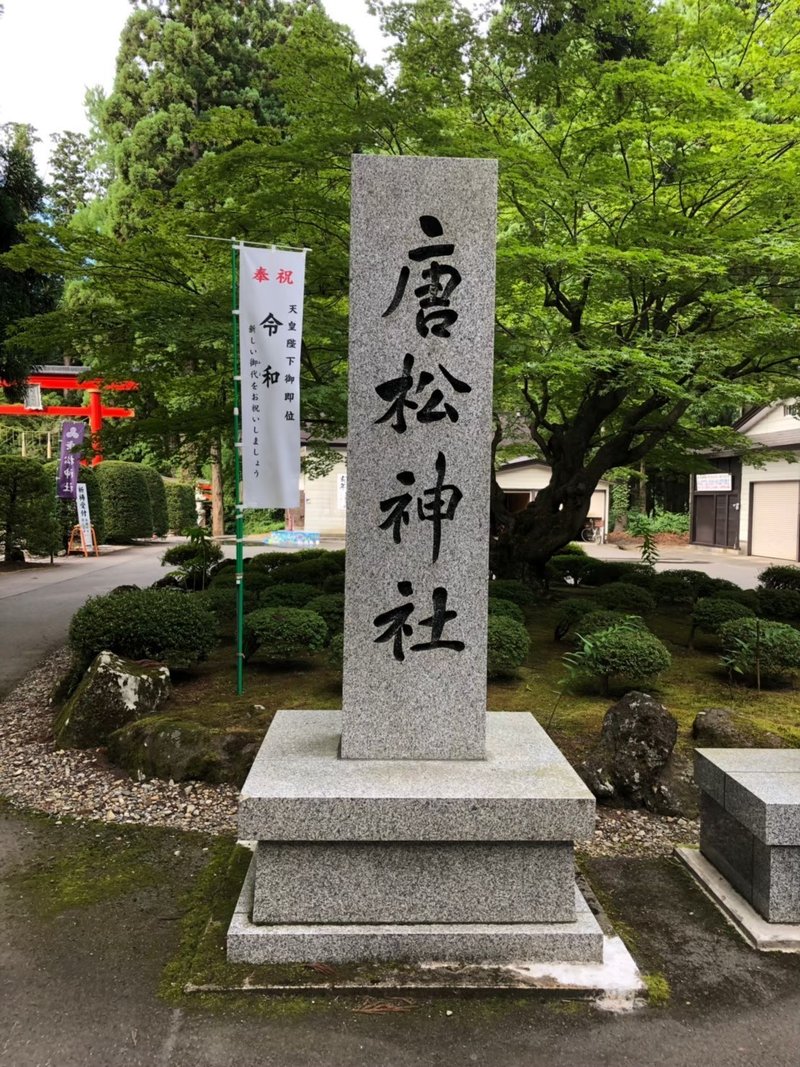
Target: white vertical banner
270, 330
84, 518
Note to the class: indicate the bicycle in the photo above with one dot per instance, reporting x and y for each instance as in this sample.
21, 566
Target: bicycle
592, 532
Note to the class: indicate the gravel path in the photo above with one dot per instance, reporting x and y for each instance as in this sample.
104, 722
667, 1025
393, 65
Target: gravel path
80, 784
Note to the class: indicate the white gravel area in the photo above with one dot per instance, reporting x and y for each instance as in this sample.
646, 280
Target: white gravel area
80, 784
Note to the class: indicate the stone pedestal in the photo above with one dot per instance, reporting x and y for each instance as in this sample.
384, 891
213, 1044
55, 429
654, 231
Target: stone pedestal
750, 824
415, 859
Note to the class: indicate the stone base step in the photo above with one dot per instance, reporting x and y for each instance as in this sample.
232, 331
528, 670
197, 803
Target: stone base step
567, 942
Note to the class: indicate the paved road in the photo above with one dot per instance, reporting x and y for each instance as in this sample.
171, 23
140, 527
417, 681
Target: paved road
743, 570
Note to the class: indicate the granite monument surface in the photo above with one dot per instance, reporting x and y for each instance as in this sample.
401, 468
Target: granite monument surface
410, 825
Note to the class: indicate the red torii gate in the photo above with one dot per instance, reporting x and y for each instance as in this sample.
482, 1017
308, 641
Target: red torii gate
65, 379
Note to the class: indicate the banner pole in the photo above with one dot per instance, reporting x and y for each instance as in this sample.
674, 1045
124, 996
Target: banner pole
237, 450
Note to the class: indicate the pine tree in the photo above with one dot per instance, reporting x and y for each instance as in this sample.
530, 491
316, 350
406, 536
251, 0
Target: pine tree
25, 293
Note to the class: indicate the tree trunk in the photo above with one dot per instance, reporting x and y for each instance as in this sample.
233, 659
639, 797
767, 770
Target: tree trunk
217, 504
554, 517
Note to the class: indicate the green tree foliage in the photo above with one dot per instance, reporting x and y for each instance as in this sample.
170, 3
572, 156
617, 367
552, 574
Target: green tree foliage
76, 178
26, 292
647, 254
27, 509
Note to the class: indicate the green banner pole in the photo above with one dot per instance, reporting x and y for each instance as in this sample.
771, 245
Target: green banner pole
237, 452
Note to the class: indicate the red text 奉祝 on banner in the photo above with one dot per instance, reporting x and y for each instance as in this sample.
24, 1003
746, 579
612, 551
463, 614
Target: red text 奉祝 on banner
270, 331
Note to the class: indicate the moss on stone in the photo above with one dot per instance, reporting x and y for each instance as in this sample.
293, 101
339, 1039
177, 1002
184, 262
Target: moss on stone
658, 990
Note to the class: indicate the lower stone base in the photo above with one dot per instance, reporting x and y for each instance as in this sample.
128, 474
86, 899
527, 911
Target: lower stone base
568, 942
756, 930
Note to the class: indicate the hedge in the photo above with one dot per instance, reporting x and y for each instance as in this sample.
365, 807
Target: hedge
158, 500
67, 510
126, 501
181, 512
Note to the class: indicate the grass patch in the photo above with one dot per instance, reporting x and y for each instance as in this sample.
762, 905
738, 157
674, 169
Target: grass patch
658, 990
107, 865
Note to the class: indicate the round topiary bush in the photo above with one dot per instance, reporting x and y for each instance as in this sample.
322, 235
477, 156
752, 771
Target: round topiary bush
336, 652
572, 549
194, 561
157, 624
622, 596
308, 571
286, 595
570, 612
511, 589
181, 512
331, 607
622, 652
780, 576
670, 588
126, 501
569, 569
158, 500
254, 579
284, 634
710, 613
508, 645
603, 572
222, 602
595, 621
762, 653
782, 605
507, 608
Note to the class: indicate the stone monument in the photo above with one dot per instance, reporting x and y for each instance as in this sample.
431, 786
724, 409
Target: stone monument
411, 826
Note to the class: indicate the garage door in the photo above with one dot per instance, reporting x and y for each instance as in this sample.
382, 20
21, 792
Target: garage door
775, 520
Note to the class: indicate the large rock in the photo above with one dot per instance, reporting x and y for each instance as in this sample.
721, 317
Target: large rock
718, 728
160, 747
635, 746
113, 692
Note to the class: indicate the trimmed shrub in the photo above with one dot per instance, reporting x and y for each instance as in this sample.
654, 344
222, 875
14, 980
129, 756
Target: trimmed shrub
748, 597
335, 655
669, 588
334, 583
572, 549
159, 624
507, 608
330, 606
181, 512
781, 577
603, 572
516, 591
286, 595
158, 500
762, 653
309, 571
595, 621
222, 602
622, 652
569, 568
641, 574
284, 633
622, 596
194, 561
270, 561
570, 613
67, 510
508, 645
126, 501
783, 605
255, 580
710, 613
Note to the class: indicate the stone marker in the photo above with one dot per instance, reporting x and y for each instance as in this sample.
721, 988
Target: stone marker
418, 458
750, 824
411, 826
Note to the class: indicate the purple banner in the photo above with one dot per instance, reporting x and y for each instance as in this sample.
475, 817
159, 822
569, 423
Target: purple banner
72, 434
